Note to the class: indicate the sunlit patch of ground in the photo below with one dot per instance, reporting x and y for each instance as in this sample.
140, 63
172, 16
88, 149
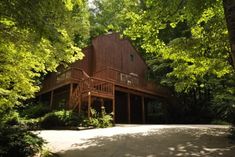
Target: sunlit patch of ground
143, 141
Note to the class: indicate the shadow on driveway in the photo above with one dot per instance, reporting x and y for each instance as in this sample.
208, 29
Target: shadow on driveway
183, 142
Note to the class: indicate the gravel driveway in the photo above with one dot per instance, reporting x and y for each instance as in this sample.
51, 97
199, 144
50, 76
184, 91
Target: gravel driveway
142, 141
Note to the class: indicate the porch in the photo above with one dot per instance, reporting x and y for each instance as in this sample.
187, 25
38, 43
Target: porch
124, 95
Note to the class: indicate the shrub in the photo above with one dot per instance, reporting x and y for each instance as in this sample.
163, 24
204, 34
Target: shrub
232, 133
35, 111
17, 141
31, 124
12, 118
47, 153
51, 120
219, 122
102, 120
60, 119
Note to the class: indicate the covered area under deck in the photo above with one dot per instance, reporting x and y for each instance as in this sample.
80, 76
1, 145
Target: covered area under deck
132, 107
127, 106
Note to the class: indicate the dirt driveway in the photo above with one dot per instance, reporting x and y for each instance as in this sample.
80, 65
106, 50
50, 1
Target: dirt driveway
142, 141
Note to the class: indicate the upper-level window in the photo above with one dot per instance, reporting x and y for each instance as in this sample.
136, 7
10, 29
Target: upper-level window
132, 57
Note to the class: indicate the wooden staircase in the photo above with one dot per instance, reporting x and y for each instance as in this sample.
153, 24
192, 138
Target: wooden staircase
75, 98
90, 86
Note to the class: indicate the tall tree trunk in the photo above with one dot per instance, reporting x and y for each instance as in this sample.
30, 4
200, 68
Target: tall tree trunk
229, 10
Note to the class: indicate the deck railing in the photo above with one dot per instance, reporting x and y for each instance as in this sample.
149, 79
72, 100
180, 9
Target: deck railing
98, 86
85, 82
130, 80
102, 82
60, 78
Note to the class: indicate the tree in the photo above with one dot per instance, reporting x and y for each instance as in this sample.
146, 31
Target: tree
229, 9
109, 15
35, 37
196, 61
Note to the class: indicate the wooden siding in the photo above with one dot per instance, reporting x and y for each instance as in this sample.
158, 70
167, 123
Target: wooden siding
111, 51
86, 63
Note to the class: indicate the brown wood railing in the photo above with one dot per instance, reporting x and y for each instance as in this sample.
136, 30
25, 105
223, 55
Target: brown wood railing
130, 80
99, 86
102, 82
69, 75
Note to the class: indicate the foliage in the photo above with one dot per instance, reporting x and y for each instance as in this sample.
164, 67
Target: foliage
58, 119
16, 141
109, 15
220, 122
102, 120
31, 124
11, 118
193, 56
224, 99
232, 133
157, 113
35, 110
35, 37
47, 153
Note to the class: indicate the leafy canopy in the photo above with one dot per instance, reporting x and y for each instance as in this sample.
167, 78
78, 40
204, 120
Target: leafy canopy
202, 47
35, 37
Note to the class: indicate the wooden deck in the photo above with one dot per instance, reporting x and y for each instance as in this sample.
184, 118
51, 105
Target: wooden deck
103, 83
132, 81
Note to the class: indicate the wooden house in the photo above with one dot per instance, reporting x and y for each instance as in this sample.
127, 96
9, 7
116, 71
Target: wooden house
112, 74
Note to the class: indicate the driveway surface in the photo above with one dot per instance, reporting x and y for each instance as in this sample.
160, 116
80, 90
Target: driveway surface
142, 141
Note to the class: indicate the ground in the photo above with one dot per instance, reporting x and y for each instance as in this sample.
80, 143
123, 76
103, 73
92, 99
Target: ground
143, 141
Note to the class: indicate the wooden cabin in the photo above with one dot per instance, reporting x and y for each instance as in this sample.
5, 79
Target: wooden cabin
112, 74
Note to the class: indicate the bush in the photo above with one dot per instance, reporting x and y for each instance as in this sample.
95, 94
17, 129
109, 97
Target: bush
35, 111
219, 122
102, 120
60, 119
31, 124
17, 141
232, 133
12, 118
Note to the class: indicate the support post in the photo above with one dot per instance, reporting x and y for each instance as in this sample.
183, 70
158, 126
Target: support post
143, 109
129, 107
80, 103
113, 101
89, 105
51, 100
70, 96
113, 110
102, 102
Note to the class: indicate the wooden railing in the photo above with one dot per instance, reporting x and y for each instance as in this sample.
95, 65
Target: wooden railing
78, 76
60, 78
130, 80
102, 82
96, 85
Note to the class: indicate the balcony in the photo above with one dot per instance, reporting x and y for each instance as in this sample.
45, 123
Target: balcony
102, 82
55, 80
78, 76
131, 80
